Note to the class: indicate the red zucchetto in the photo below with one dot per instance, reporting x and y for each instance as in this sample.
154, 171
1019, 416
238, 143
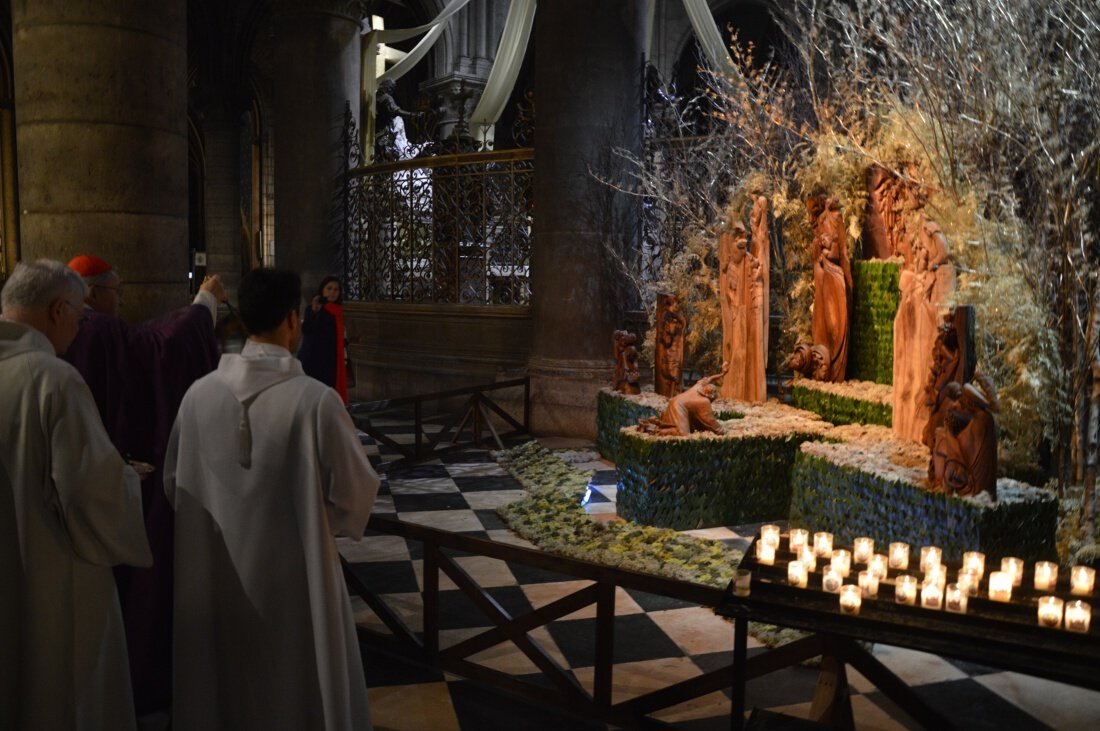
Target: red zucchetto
87, 265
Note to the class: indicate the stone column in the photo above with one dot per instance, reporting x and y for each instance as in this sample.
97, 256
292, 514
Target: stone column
589, 97
317, 72
101, 126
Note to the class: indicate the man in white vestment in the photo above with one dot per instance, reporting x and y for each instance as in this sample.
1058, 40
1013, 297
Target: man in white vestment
264, 468
70, 509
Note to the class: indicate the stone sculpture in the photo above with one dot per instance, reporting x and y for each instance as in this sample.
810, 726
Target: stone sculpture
964, 453
832, 282
688, 412
740, 288
627, 378
953, 360
761, 248
671, 326
925, 286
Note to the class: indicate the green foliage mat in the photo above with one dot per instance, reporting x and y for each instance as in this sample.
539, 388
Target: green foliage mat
839, 409
874, 305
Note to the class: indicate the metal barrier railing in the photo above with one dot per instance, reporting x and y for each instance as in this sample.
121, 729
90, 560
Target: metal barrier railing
565, 691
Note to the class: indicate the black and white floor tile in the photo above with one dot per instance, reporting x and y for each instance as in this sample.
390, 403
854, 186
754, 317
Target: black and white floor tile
658, 640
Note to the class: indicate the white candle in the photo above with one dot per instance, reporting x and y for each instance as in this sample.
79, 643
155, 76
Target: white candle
930, 556
770, 534
1000, 586
832, 581
1078, 616
955, 599
975, 561
1050, 612
1046, 575
1081, 580
765, 553
899, 556
796, 574
841, 562
868, 583
931, 596
808, 558
905, 589
850, 599
863, 549
969, 581
877, 566
798, 539
937, 575
823, 544
742, 582
1014, 566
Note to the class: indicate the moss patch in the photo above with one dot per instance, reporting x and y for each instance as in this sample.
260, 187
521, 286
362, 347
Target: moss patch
874, 304
858, 402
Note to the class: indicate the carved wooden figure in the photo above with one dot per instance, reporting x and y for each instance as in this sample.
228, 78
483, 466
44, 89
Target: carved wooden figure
761, 248
964, 453
953, 360
671, 326
832, 282
627, 379
740, 289
877, 242
688, 412
925, 287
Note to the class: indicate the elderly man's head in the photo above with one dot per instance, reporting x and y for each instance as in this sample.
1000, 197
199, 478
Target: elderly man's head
47, 296
104, 284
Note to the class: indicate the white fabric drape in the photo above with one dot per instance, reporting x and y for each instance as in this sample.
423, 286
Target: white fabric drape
414, 56
401, 34
706, 30
650, 26
506, 66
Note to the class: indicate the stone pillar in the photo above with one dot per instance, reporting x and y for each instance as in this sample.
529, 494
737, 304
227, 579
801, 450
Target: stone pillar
589, 97
317, 72
101, 126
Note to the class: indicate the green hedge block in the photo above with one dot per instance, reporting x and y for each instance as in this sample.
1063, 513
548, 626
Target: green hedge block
874, 304
850, 503
701, 483
841, 409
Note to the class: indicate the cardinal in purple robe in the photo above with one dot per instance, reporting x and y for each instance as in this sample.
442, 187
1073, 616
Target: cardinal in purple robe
138, 376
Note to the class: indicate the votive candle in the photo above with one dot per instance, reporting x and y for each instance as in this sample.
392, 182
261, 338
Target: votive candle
832, 581
1078, 616
1046, 575
955, 599
1050, 612
1000, 586
1081, 580
823, 544
765, 553
798, 539
899, 556
975, 561
905, 590
937, 575
930, 556
841, 562
969, 581
862, 550
868, 583
877, 566
850, 599
796, 574
770, 534
1014, 566
808, 558
931, 596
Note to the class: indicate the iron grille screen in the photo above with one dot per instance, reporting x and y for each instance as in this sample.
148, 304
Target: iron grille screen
444, 229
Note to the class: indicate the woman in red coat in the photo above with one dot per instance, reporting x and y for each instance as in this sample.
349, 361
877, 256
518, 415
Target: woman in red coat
323, 341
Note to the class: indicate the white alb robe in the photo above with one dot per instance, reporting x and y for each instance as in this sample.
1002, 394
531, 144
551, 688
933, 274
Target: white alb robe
70, 508
264, 468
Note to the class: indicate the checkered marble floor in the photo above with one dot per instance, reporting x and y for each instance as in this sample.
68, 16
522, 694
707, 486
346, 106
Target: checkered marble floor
658, 641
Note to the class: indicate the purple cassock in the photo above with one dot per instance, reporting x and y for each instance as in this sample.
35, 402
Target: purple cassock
138, 376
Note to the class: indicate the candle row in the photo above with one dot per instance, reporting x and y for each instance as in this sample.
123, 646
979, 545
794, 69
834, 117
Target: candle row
1082, 578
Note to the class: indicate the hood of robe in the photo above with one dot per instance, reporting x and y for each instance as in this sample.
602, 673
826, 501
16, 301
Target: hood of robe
257, 368
16, 339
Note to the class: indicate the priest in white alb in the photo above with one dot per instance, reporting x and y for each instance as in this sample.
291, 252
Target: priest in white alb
264, 469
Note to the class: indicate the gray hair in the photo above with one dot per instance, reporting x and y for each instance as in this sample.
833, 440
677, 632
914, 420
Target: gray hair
34, 284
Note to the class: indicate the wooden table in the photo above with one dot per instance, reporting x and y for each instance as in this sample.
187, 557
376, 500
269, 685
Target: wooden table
997, 634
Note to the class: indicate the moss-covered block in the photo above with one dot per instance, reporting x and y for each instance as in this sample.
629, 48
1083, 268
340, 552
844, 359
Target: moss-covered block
839, 409
702, 482
849, 502
874, 304
613, 412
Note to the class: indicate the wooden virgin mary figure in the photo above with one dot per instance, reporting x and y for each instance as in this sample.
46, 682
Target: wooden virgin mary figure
741, 290
832, 282
669, 357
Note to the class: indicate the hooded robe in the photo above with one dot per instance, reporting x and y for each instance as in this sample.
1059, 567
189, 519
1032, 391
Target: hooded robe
264, 468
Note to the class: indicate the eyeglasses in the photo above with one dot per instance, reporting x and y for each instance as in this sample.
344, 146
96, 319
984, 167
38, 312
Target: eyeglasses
82, 317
